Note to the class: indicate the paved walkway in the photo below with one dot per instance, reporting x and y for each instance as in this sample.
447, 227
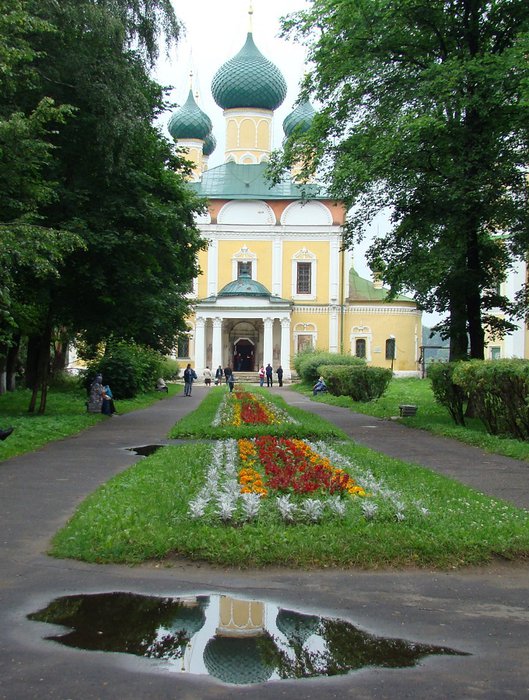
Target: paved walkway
481, 611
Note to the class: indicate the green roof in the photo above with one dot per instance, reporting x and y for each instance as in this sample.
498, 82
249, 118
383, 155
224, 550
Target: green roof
189, 122
234, 181
244, 286
361, 289
249, 80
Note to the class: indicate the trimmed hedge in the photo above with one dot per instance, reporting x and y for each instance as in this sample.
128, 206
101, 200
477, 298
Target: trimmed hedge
499, 391
446, 392
308, 364
360, 382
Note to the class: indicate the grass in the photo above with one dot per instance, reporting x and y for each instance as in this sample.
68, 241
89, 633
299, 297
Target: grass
65, 415
198, 423
142, 514
430, 416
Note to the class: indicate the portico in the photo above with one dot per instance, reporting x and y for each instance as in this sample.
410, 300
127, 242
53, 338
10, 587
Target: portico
244, 326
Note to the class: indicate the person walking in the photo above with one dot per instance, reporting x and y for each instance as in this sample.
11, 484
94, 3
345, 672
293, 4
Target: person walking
261, 376
279, 372
269, 375
227, 372
231, 381
218, 375
207, 376
189, 377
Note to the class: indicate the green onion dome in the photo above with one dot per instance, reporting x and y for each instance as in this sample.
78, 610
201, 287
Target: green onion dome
249, 80
190, 122
210, 143
244, 286
300, 119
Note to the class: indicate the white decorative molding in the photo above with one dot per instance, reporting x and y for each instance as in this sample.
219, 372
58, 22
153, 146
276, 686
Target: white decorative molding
361, 333
309, 213
304, 255
246, 213
244, 254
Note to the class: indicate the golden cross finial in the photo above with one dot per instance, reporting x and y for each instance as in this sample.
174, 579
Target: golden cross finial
250, 14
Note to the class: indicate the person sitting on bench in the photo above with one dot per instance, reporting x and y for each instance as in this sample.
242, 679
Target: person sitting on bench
319, 387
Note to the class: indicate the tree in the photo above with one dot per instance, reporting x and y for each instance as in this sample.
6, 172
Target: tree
118, 184
424, 112
30, 252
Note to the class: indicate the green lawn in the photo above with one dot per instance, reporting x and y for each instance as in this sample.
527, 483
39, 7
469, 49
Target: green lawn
198, 423
430, 416
65, 415
143, 514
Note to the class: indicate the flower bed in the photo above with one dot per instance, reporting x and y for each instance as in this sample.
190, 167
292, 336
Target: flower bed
242, 407
294, 480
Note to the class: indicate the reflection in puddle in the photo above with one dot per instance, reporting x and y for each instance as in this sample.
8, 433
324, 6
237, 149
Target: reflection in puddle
145, 450
234, 640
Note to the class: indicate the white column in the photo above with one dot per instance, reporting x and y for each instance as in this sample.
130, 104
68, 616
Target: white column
334, 269
285, 347
333, 328
216, 358
213, 261
200, 343
268, 344
277, 266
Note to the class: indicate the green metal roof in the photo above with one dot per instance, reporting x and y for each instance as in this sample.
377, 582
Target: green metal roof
249, 80
244, 286
210, 144
300, 118
361, 289
235, 181
190, 122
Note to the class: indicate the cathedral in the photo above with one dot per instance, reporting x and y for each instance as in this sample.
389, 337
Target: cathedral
274, 278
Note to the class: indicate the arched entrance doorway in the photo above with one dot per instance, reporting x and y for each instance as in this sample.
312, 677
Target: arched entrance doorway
243, 355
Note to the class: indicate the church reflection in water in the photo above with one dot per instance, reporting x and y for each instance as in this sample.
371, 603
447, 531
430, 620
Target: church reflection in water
232, 639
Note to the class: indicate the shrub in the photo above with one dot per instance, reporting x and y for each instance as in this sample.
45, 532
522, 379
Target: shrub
359, 381
129, 369
170, 368
499, 391
310, 363
446, 392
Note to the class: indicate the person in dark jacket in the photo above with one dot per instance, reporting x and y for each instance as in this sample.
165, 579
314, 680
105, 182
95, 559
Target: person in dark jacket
189, 377
279, 372
269, 376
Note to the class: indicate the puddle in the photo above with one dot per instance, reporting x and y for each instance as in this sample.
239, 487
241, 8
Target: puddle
234, 640
145, 450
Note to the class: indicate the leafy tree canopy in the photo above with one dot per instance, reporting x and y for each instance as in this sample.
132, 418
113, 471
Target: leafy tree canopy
424, 110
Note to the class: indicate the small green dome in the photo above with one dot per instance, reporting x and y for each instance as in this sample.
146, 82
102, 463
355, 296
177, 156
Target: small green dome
210, 143
249, 80
300, 119
245, 286
190, 122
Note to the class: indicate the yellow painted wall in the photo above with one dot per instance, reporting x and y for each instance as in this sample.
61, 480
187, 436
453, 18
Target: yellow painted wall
322, 251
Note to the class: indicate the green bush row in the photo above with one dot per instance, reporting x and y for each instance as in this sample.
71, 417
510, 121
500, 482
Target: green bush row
308, 364
496, 390
129, 369
360, 382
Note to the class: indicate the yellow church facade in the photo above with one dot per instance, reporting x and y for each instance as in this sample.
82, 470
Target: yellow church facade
274, 278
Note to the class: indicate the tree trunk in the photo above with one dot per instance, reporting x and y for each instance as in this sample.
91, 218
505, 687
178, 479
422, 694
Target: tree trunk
11, 365
43, 353
458, 328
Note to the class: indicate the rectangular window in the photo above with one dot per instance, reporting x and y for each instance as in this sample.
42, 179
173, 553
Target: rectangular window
304, 278
390, 349
495, 353
244, 268
304, 342
360, 347
183, 347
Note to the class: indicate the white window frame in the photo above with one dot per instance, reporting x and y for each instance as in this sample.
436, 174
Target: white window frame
304, 256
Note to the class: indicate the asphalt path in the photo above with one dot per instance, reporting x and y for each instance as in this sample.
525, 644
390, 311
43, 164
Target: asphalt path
481, 611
